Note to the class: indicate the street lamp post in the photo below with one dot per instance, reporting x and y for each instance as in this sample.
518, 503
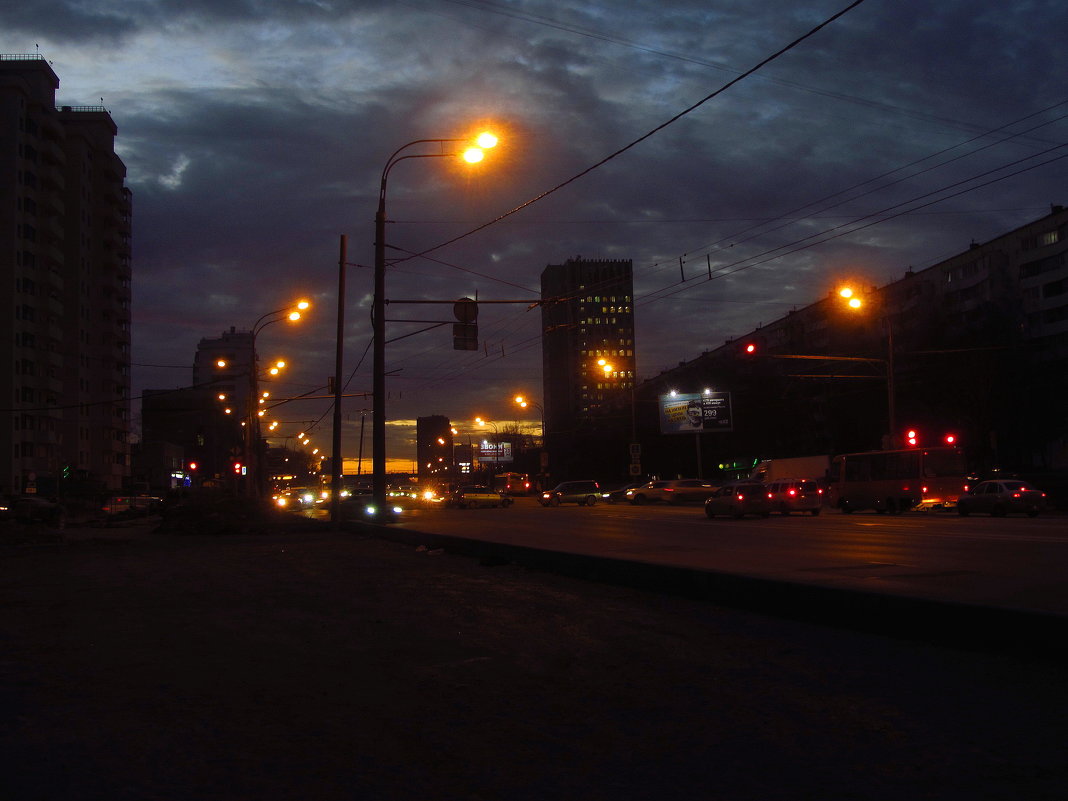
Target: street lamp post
251, 433
523, 402
378, 306
855, 302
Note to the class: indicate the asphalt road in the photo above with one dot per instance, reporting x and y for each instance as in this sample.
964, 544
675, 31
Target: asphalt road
1011, 563
331, 666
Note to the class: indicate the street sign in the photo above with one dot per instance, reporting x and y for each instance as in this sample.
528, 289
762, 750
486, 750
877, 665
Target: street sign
635, 469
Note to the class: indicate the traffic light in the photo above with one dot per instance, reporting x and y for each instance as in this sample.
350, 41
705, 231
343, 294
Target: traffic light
192, 466
912, 437
950, 439
237, 468
465, 332
751, 348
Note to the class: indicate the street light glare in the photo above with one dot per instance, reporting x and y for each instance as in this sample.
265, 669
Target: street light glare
303, 305
294, 316
473, 155
486, 140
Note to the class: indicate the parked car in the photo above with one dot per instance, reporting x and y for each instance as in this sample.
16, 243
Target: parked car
474, 495
682, 490
584, 493
737, 499
31, 509
787, 495
1001, 497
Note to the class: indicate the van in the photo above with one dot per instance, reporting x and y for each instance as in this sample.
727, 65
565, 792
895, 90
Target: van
787, 495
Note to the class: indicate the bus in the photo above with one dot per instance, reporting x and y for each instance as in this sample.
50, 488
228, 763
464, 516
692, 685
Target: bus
512, 483
896, 481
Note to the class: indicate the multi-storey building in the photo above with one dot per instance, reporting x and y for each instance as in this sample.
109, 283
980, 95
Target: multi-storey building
976, 345
235, 351
434, 449
587, 343
65, 263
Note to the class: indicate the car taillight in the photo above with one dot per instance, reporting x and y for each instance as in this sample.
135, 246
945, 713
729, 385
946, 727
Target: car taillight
741, 497
792, 492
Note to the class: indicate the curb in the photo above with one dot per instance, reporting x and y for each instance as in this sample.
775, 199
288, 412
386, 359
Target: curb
1015, 632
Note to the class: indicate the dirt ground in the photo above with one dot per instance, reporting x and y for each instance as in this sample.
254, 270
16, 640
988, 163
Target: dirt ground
322, 666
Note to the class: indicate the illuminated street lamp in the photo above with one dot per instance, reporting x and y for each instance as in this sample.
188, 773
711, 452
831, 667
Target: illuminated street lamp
524, 402
855, 302
472, 154
251, 432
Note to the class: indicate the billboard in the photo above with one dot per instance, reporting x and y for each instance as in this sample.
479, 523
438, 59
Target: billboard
695, 413
494, 451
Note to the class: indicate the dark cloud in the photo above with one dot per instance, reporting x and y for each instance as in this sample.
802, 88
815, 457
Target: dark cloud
255, 134
63, 22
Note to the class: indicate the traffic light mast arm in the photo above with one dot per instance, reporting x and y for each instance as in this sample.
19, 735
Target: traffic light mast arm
828, 358
528, 302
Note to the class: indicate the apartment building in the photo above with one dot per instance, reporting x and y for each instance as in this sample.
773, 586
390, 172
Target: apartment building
65, 262
975, 345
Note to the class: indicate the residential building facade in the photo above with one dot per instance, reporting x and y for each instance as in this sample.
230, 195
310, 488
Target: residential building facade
975, 346
434, 449
65, 262
587, 345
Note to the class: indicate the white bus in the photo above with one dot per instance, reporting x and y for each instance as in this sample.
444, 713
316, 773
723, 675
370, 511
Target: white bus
896, 481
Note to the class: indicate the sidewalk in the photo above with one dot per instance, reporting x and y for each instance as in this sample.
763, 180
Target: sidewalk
320, 665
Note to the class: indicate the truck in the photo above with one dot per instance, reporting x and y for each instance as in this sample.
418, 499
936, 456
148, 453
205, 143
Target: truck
814, 467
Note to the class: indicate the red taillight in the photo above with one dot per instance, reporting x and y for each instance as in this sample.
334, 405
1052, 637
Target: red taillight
1015, 495
669, 489
923, 490
792, 492
819, 492
741, 497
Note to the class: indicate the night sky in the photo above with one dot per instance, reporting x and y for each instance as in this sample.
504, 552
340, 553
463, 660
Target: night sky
255, 133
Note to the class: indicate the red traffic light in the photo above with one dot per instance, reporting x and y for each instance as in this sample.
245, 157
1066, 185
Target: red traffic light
912, 437
751, 347
237, 467
950, 439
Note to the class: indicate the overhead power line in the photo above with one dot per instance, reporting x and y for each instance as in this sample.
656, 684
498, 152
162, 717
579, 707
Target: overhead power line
777, 54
